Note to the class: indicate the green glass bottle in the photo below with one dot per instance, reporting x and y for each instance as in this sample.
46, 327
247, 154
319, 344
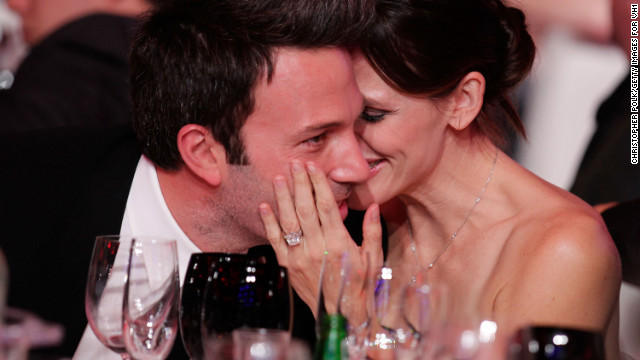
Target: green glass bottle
332, 340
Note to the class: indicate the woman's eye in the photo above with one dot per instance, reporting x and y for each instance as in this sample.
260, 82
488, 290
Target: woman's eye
372, 115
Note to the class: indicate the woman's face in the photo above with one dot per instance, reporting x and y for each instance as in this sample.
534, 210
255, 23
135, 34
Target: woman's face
402, 138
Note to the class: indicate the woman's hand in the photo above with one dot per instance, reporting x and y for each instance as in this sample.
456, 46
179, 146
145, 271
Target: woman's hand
323, 231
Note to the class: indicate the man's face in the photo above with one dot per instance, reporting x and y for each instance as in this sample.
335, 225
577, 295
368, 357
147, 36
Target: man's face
41, 17
621, 13
307, 113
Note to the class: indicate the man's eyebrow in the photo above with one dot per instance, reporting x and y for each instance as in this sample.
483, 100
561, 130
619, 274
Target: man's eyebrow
318, 127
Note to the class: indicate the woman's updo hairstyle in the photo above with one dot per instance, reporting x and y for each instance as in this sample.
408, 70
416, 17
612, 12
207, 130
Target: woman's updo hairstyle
425, 47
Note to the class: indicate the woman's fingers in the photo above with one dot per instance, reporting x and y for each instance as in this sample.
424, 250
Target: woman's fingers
295, 257
314, 211
372, 237
274, 234
288, 218
305, 209
333, 229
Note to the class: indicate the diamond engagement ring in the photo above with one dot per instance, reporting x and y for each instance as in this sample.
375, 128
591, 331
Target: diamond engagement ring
293, 238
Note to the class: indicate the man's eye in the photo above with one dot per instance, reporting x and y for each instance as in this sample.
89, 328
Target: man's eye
316, 139
372, 115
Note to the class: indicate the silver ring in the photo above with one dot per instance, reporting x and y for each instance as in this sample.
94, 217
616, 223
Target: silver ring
293, 238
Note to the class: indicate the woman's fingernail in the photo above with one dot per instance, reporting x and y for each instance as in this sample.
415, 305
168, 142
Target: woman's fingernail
264, 210
375, 213
296, 166
311, 168
279, 182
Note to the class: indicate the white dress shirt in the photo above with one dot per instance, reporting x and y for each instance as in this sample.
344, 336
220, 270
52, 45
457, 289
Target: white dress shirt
146, 214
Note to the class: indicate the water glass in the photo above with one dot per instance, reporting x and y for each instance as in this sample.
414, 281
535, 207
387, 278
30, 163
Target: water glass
151, 298
195, 282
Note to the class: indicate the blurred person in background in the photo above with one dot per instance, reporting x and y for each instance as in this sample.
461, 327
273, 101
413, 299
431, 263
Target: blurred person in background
558, 28
607, 179
76, 72
606, 173
587, 19
12, 47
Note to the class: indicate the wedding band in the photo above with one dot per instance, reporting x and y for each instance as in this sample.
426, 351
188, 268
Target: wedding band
293, 238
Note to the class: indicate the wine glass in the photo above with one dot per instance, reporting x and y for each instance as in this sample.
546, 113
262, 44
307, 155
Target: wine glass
426, 314
245, 297
388, 323
105, 290
422, 314
151, 297
446, 327
262, 344
411, 316
557, 343
343, 317
193, 289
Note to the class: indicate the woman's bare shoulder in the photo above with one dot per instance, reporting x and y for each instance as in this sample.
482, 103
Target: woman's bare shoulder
560, 227
555, 259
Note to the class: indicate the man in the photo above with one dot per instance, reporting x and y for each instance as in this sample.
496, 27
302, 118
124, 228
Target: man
606, 173
606, 176
12, 46
76, 72
226, 93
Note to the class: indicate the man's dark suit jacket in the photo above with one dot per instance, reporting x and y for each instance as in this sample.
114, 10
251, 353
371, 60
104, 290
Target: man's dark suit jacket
606, 173
623, 222
58, 190
77, 76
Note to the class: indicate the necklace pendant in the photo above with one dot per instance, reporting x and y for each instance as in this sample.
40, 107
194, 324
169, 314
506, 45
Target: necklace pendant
453, 236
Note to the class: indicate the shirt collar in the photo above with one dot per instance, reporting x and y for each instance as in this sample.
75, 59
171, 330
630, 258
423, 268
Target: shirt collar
147, 214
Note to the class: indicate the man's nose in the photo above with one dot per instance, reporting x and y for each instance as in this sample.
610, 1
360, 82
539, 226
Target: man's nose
349, 164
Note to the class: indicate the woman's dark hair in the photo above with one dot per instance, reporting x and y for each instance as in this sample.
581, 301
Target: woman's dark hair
198, 61
425, 47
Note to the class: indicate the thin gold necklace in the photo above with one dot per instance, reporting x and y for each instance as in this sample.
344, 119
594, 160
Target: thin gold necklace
455, 233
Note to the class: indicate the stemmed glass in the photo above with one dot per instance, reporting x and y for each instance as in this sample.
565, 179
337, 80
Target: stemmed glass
193, 288
388, 324
550, 342
410, 316
440, 327
151, 297
343, 297
424, 312
105, 290
242, 297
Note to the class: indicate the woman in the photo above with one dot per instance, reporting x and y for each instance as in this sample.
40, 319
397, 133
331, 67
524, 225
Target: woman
435, 77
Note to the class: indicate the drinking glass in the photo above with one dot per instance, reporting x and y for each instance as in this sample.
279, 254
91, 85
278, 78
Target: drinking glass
193, 289
453, 328
262, 344
105, 290
246, 297
388, 321
556, 343
343, 308
151, 297
423, 313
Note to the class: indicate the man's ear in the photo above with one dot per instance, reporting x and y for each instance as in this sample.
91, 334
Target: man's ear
467, 99
203, 155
